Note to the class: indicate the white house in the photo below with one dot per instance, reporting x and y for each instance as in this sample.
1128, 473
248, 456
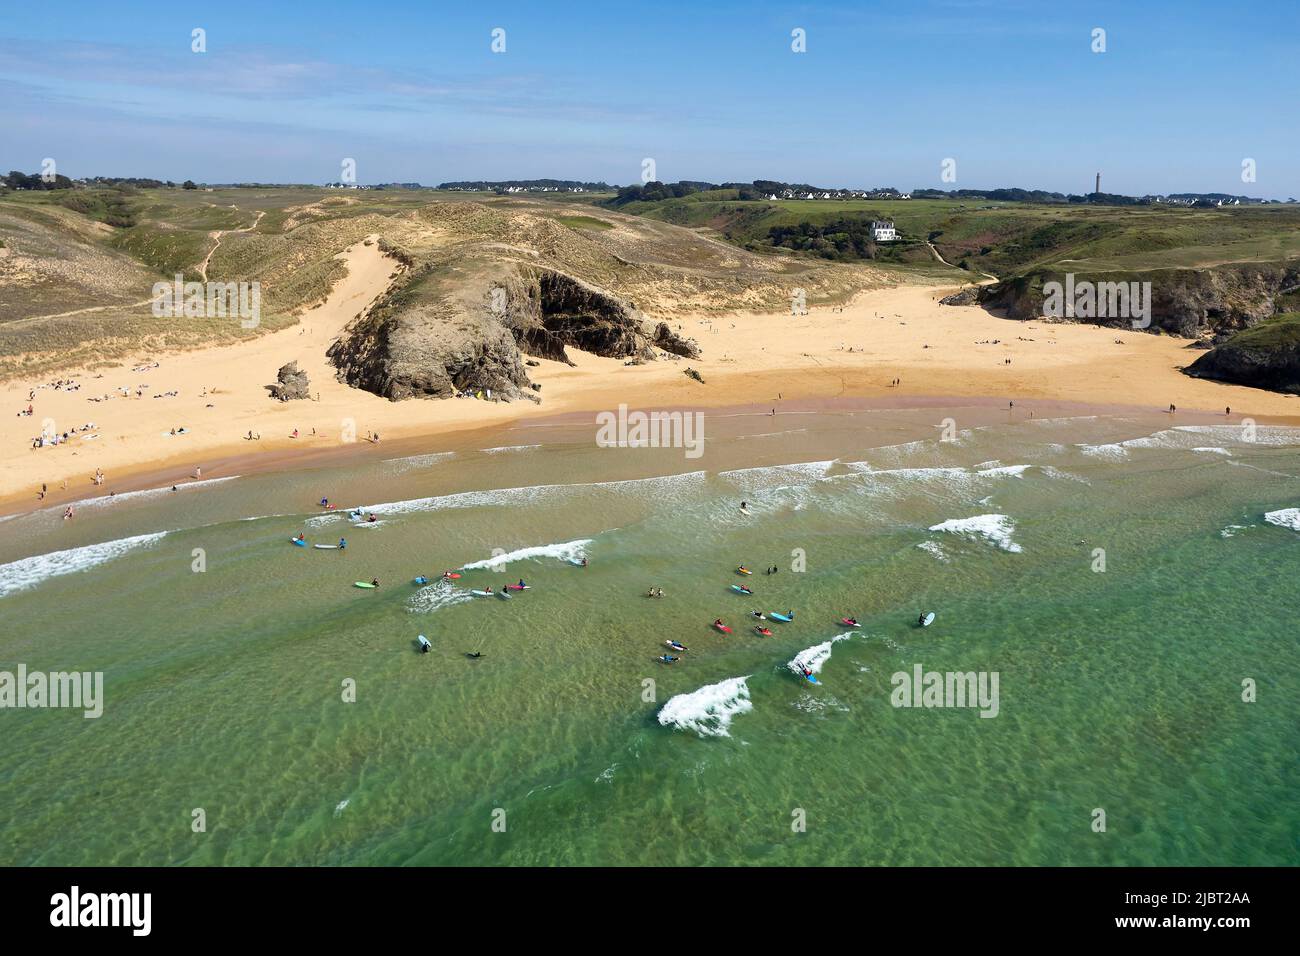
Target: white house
882, 230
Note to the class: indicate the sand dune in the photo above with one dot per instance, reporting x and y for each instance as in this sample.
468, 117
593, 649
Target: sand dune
893, 333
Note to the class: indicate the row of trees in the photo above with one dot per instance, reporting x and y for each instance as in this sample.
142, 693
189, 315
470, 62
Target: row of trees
17, 180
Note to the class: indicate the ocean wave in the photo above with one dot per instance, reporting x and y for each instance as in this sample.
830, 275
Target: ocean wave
1285, 518
436, 596
420, 459
772, 477
564, 551
534, 493
997, 529
103, 500
1114, 451
1262, 434
1000, 471
814, 657
503, 448
30, 572
1213, 451
934, 548
709, 710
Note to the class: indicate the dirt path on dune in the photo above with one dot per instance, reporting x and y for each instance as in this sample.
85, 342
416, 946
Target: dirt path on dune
218, 236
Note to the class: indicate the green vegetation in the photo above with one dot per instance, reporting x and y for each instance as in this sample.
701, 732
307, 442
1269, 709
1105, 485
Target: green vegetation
1280, 332
1001, 238
583, 222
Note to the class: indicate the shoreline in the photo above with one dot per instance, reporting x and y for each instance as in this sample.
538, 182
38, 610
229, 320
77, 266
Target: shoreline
943, 356
233, 464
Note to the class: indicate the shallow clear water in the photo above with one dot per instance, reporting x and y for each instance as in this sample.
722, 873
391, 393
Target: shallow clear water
1118, 689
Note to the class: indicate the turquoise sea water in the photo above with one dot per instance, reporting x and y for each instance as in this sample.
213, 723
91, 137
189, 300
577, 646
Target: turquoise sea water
1119, 690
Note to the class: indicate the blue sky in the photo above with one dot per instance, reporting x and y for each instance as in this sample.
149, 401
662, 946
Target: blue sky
412, 91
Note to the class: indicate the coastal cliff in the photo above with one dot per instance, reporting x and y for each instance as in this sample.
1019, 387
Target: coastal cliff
1266, 356
1192, 303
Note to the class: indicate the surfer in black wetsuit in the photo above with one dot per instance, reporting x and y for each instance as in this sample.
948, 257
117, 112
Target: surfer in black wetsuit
921, 620
475, 656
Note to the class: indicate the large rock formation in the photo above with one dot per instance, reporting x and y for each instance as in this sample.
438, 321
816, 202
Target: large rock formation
1267, 356
1194, 303
291, 384
423, 341
462, 326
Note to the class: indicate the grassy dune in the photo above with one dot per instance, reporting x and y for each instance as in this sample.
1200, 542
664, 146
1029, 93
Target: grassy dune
56, 260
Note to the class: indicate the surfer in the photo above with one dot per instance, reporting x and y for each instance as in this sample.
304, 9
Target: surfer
584, 562
324, 502
374, 582
474, 656
371, 517
424, 644
669, 659
759, 614
921, 620
521, 584
852, 621
300, 536
343, 543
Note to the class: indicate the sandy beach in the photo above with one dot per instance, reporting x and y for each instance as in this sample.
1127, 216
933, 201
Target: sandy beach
857, 351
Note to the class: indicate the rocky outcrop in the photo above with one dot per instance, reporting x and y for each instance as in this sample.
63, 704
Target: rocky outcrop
291, 384
1267, 356
1193, 303
551, 312
421, 341
668, 340
465, 326
968, 296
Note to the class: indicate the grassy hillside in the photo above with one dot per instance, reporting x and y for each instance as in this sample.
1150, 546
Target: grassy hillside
1006, 238
75, 289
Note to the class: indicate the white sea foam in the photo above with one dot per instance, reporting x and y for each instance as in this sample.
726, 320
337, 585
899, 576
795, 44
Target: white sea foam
1286, 518
564, 551
709, 710
770, 477
433, 597
30, 572
934, 548
1262, 434
996, 529
1231, 530
403, 465
503, 448
1112, 452
420, 459
1008, 471
657, 487
1213, 451
814, 657
151, 492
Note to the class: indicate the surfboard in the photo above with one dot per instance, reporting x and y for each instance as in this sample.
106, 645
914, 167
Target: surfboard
928, 620
326, 547
779, 617
301, 544
812, 678
362, 584
739, 589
